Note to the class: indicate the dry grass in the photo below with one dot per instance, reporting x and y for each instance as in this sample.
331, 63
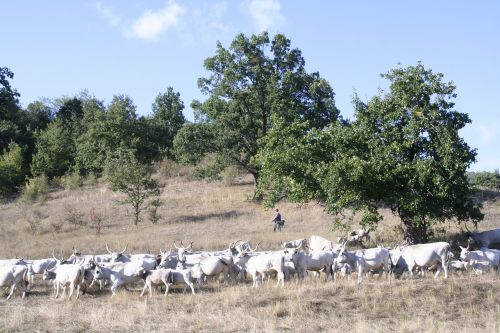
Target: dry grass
212, 215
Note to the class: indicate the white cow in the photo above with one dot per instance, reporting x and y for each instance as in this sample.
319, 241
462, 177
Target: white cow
480, 267
493, 256
459, 265
71, 275
259, 265
486, 238
312, 261
39, 266
318, 243
294, 244
216, 265
167, 276
12, 276
121, 273
364, 261
422, 255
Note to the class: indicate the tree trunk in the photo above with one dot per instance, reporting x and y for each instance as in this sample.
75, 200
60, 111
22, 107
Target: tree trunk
413, 233
256, 196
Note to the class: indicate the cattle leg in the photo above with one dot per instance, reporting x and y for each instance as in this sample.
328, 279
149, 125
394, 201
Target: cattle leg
281, 277
57, 286
11, 291
146, 283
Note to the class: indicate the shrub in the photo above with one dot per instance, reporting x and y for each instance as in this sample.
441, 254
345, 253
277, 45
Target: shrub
96, 221
154, 217
229, 175
36, 189
72, 181
74, 217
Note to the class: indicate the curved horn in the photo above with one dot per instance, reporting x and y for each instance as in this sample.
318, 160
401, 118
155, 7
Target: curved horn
190, 247
176, 246
253, 250
182, 244
54, 254
161, 252
468, 244
107, 248
125, 249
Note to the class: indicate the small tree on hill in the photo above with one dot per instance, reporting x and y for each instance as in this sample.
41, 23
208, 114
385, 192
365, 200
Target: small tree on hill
125, 174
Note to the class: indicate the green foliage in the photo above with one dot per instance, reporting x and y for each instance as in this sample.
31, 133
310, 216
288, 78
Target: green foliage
74, 217
127, 175
12, 169
167, 120
490, 180
403, 150
72, 180
250, 84
54, 151
154, 217
35, 189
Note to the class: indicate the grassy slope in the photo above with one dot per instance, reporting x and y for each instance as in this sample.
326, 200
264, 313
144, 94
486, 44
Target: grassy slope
212, 215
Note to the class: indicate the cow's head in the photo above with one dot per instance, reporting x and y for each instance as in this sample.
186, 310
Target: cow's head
75, 252
182, 251
116, 256
395, 255
48, 275
464, 251
59, 261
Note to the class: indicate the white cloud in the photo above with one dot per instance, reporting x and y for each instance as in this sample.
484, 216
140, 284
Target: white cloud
108, 14
151, 24
266, 14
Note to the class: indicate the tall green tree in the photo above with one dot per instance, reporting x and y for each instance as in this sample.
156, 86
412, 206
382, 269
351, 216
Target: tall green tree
54, 151
253, 82
12, 169
167, 120
12, 127
403, 150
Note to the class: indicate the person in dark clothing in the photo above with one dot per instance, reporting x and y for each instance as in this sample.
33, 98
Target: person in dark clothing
278, 221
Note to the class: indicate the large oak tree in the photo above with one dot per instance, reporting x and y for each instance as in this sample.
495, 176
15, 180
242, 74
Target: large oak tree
250, 84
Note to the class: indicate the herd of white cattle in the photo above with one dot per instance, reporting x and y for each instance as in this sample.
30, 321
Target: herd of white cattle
183, 266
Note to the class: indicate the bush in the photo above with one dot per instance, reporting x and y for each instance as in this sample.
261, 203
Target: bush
71, 181
36, 189
74, 217
229, 175
96, 221
154, 217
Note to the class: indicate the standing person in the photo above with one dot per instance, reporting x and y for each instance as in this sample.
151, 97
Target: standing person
277, 220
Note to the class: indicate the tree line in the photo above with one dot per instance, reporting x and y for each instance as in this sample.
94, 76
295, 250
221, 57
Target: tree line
266, 114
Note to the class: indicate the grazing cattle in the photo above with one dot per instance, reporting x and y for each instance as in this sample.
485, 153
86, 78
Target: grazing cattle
298, 243
421, 255
492, 256
168, 276
486, 238
13, 276
480, 267
66, 275
258, 265
364, 260
168, 259
39, 266
312, 261
121, 273
118, 256
10, 262
216, 265
318, 243
183, 251
459, 265
157, 276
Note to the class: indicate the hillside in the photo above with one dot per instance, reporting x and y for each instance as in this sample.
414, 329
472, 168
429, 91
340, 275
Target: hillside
212, 215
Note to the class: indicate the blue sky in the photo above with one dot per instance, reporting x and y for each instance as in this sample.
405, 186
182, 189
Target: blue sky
139, 48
